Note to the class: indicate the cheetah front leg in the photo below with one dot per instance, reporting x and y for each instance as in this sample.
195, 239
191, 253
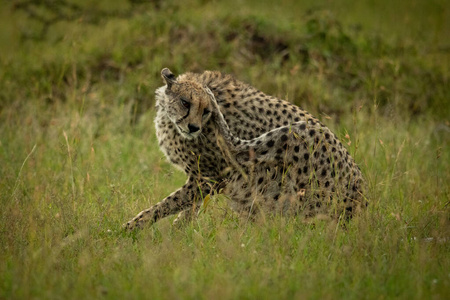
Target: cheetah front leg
187, 215
183, 198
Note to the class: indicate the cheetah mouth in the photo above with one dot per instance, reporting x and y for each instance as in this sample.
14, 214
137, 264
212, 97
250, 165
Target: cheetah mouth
187, 135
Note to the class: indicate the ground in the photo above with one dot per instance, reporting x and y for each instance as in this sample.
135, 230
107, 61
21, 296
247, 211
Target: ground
78, 151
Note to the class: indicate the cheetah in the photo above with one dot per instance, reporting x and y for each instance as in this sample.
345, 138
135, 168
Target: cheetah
263, 153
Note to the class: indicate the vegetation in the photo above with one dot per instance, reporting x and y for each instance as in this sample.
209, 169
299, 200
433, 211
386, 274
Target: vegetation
79, 156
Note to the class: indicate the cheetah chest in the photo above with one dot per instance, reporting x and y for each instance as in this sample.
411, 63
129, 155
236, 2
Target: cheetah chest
199, 156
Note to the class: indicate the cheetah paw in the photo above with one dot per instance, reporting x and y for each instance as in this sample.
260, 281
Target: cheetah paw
132, 225
137, 222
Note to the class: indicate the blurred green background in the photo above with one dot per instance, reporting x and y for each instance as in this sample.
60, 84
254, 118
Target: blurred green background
79, 156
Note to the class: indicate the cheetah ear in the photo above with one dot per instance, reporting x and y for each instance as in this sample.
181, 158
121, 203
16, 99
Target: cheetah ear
168, 76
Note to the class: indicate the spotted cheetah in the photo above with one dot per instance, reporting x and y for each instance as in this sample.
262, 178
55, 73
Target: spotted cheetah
263, 153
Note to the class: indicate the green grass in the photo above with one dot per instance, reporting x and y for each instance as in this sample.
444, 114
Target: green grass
79, 156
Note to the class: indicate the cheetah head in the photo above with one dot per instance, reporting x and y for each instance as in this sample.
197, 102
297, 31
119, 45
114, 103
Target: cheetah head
187, 104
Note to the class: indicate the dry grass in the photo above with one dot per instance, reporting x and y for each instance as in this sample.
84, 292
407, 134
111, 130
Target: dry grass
79, 156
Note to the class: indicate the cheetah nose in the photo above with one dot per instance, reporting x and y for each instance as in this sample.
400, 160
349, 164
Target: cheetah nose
193, 128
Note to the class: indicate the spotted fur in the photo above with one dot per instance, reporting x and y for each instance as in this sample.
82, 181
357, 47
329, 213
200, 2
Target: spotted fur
265, 154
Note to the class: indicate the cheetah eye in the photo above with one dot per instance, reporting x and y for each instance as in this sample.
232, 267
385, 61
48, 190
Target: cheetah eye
185, 103
206, 112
